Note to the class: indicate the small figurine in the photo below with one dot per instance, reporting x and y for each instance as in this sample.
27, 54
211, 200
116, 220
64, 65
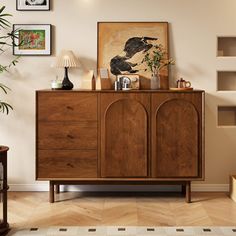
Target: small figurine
183, 83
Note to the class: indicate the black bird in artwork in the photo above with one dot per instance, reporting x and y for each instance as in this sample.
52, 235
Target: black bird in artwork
138, 44
119, 64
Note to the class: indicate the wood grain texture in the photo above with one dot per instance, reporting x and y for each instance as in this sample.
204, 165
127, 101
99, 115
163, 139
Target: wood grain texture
67, 135
135, 137
124, 135
176, 135
62, 106
177, 139
67, 164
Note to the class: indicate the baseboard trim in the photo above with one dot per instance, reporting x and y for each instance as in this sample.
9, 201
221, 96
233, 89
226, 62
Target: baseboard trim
95, 188
210, 187
28, 187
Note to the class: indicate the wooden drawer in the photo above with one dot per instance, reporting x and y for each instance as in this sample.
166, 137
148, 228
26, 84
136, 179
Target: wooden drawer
66, 164
64, 135
70, 106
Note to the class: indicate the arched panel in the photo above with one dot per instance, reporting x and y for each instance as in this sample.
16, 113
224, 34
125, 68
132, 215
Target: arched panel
177, 139
125, 140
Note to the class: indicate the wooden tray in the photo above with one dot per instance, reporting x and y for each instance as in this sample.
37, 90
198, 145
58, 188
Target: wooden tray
181, 89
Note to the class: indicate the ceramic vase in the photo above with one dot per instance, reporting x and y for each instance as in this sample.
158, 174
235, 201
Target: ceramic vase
155, 81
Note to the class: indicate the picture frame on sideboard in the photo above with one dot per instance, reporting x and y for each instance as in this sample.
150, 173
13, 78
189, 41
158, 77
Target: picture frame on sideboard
121, 47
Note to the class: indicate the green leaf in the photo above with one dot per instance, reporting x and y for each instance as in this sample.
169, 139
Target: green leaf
2, 9
5, 107
4, 37
7, 40
4, 88
156, 58
4, 25
3, 15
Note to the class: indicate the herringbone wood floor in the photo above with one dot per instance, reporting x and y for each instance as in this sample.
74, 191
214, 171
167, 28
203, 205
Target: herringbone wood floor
71, 209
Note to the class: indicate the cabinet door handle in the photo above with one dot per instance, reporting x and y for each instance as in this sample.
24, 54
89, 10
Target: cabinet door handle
70, 108
70, 165
70, 136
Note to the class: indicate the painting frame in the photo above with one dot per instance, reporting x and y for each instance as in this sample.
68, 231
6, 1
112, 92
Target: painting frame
21, 6
109, 34
21, 49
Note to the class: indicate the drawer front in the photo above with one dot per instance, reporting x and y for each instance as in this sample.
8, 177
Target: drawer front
67, 164
62, 135
71, 106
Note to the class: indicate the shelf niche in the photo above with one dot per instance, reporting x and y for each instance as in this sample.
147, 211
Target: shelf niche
227, 116
226, 81
226, 46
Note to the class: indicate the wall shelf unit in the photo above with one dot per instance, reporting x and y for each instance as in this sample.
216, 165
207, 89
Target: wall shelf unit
226, 46
226, 115
226, 80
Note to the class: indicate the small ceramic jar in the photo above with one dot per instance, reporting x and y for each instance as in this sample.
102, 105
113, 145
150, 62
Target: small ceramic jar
56, 84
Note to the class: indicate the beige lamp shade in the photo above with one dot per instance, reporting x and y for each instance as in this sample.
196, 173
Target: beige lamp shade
67, 59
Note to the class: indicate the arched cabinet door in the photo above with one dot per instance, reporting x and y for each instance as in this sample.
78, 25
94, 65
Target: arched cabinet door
124, 134
177, 135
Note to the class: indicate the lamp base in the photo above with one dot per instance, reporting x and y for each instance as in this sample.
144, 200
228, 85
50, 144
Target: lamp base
66, 83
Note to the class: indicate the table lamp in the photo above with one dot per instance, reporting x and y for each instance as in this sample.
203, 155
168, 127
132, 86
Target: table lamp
67, 59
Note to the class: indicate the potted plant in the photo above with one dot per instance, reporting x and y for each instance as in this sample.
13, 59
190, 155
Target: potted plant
6, 42
156, 59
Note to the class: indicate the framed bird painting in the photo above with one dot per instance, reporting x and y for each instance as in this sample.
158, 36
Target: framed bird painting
123, 45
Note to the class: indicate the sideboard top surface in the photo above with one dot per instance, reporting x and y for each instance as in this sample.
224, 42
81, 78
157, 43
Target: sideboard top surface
121, 91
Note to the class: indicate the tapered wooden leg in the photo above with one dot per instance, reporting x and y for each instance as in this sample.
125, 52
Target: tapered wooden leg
51, 192
57, 188
188, 192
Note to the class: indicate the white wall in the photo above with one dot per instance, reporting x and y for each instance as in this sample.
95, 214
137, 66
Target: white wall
194, 26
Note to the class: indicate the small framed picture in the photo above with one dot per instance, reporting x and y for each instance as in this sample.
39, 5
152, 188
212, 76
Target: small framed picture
104, 74
133, 78
33, 5
32, 40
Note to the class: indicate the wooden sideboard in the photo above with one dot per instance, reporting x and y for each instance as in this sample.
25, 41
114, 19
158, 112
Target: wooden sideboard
110, 137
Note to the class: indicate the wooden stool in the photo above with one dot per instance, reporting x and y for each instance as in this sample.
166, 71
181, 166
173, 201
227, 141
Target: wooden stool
4, 226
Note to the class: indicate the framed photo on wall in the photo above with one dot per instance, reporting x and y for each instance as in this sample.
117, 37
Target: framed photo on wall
33, 5
32, 40
122, 46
